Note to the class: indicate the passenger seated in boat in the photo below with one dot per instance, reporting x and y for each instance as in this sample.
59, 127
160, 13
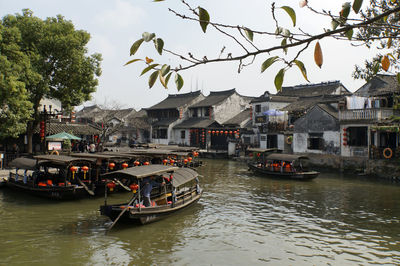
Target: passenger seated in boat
147, 186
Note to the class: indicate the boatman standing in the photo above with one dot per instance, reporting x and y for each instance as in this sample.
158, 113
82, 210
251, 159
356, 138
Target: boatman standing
147, 186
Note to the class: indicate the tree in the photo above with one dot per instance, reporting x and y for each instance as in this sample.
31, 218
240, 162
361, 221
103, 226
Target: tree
56, 51
15, 107
376, 26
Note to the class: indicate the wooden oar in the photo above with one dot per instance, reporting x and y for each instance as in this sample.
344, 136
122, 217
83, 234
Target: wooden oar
121, 213
122, 185
85, 187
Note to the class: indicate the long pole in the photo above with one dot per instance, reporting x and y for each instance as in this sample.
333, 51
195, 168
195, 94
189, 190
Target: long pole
121, 213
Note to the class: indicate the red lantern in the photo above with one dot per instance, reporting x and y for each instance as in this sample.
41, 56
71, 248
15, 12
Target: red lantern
185, 161
165, 161
226, 132
344, 134
125, 165
258, 154
230, 132
73, 169
209, 132
190, 159
136, 163
172, 162
111, 186
146, 163
84, 169
111, 166
344, 129
213, 132
134, 187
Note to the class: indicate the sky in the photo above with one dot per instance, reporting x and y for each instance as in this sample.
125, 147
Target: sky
115, 24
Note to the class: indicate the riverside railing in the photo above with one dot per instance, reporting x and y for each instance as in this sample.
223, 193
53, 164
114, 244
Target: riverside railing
366, 114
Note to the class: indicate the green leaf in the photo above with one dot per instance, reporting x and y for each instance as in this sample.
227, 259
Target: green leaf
159, 44
132, 61
302, 68
249, 33
148, 68
162, 79
279, 79
357, 5
398, 77
165, 69
345, 10
204, 18
135, 46
153, 78
291, 13
283, 43
167, 79
278, 30
267, 63
148, 36
349, 34
178, 81
334, 24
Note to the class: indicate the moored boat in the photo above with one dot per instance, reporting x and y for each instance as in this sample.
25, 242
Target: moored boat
181, 190
282, 165
52, 176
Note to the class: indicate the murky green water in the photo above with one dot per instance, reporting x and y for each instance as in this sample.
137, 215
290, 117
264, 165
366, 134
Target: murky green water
241, 220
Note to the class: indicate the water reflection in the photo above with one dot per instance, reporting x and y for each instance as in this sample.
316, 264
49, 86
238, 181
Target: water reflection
241, 219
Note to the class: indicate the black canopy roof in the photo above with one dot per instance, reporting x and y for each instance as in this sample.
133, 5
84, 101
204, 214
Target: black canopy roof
182, 176
142, 171
285, 157
23, 163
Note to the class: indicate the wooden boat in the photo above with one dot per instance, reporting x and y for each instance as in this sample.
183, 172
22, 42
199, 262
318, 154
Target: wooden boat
53, 176
283, 166
180, 191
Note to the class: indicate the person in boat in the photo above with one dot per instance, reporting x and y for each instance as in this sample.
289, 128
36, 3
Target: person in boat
147, 186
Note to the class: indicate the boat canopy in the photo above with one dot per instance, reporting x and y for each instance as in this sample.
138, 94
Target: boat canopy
23, 163
285, 157
262, 150
142, 171
62, 159
101, 156
183, 175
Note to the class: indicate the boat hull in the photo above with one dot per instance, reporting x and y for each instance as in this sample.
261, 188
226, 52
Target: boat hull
146, 215
55, 192
283, 175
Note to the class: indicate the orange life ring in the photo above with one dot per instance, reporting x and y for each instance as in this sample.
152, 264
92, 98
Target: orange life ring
289, 140
54, 152
387, 156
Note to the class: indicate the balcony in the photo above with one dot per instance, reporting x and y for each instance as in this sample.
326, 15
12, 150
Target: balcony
373, 114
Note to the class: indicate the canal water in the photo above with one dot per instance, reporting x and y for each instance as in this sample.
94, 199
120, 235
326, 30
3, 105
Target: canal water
241, 219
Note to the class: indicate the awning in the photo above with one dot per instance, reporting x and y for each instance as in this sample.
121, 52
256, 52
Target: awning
142, 171
23, 163
182, 176
62, 136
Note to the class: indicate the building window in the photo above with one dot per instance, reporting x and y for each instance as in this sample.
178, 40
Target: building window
357, 136
183, 134
315, 141
160, 133
194, 114
258, 108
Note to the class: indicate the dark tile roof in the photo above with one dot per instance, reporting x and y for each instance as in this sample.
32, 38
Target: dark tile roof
75, 129
306, 103
174, 101
214, 98
330, 110
238, 119
274, 98
379, 85
197, 122
317, 89
164, 122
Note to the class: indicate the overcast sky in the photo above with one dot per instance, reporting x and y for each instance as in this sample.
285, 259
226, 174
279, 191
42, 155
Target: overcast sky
115, 24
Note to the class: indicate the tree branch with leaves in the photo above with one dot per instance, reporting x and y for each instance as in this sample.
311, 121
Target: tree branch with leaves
375, 26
